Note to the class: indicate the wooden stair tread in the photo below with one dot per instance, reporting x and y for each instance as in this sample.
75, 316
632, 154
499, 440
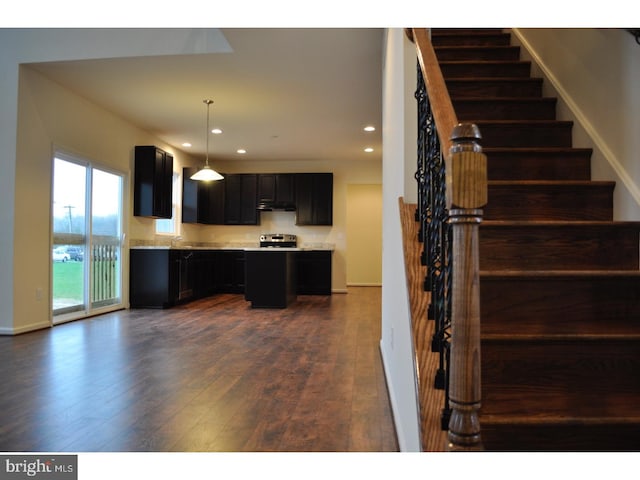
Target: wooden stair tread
480, 52
466, 87
532, 123
556, 420
537, 149
513, 274
560, 337
559, 223
569, 183
472, 80
467, 32
484, 62
505, 99
472, 47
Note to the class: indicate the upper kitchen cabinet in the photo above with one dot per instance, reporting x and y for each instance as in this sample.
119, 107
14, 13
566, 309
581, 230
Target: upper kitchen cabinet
314, 198
202, 202
276, 191
153, 181
240, 199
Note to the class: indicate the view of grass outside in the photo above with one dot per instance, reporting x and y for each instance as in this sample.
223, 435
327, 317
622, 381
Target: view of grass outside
68, 284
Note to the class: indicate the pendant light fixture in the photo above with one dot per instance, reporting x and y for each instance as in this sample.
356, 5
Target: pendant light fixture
207, 174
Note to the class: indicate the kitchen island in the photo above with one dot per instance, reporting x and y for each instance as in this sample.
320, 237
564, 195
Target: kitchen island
270, 277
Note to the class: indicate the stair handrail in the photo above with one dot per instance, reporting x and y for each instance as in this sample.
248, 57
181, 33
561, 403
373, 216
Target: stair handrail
441, 105
452, 192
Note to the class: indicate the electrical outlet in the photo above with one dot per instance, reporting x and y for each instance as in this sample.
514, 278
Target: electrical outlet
39, 294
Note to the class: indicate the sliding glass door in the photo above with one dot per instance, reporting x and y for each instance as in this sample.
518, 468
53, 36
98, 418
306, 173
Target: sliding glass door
87, 239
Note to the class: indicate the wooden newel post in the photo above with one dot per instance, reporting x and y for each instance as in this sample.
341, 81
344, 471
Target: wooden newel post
466, 173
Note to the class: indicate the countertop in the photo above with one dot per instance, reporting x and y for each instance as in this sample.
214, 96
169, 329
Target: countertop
253, 248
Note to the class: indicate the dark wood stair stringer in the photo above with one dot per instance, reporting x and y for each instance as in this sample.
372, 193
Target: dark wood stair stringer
560, 279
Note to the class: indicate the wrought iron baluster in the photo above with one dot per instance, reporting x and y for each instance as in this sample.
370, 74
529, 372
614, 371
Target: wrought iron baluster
440, 257
422, 209
433, 167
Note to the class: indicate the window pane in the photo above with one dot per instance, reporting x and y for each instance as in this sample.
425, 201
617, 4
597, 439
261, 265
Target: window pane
106, 209
69, 194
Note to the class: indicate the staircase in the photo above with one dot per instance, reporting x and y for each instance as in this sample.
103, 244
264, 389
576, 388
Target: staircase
560, 280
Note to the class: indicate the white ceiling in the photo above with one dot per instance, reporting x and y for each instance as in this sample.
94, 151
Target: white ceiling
282, 94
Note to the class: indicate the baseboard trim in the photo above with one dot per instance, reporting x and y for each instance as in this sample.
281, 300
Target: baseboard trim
24, 329
400, 434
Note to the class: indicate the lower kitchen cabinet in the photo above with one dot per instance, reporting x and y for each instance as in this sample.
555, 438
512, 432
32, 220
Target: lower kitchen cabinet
206, 265
314, 272
231, 271
154, 278
163, 277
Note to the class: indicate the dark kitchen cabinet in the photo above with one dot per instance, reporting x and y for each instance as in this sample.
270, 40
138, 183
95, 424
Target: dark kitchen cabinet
231, 273
314, 272
154, 278
206, 265
276, 188
153, 182
162, 278
314, 198
186, 273
240, 199
270, 278
202, 202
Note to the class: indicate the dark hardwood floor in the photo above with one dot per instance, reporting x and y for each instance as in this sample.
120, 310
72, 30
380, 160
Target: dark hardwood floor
214, 375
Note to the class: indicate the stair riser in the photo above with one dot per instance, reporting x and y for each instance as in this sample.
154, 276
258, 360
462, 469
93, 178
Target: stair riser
558, 248
560, 305
538, 166
553, 437
487, 70
581, 378
522, 134
477, 53
466, 39
473, 110
523, 87
549, 202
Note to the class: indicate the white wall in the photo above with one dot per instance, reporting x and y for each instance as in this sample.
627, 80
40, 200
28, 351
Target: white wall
396, 343
595, 74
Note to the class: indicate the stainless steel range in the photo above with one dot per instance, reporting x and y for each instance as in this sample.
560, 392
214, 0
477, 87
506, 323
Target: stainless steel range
278, 240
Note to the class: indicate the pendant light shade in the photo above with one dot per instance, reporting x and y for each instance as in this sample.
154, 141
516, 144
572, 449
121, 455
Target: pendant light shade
207, 174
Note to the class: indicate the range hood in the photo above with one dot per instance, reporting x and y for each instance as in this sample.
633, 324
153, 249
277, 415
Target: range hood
270, 206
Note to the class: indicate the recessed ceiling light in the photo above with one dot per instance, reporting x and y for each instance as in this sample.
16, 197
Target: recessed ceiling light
368, 149
241, 151
369, 128
216, 131
186, 144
